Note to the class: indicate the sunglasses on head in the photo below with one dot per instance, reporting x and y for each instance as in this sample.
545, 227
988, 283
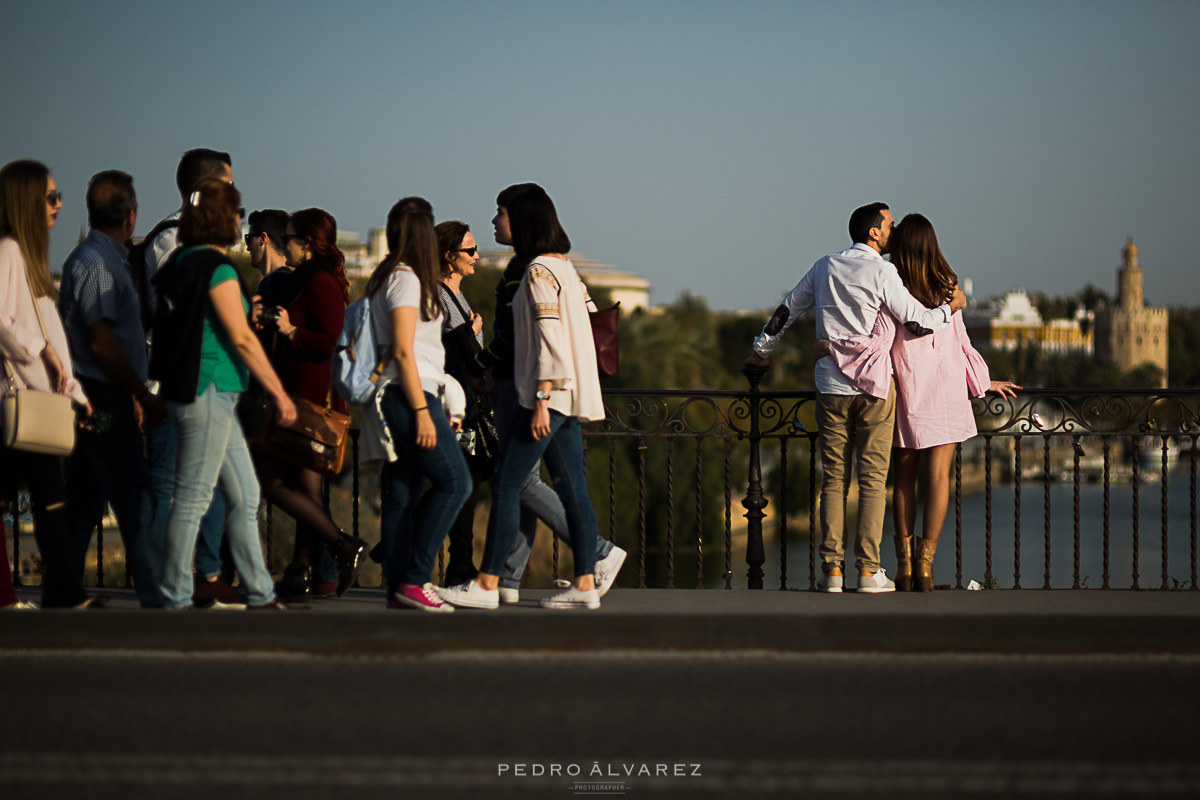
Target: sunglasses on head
54, 198
468, 250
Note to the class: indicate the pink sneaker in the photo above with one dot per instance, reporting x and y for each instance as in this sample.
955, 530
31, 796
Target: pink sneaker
423, 598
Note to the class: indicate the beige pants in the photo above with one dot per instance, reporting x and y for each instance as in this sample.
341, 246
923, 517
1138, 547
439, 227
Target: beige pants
858, 426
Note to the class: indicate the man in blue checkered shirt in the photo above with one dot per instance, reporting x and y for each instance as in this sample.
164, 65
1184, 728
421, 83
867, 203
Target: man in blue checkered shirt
101, 313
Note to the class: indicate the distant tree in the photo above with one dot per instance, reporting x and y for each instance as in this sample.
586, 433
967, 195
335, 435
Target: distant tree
1183, 347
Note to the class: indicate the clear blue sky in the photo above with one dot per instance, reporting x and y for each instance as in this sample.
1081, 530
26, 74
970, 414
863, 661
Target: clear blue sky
716, 148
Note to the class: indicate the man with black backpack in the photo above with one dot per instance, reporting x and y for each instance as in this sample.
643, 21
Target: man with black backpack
148, 257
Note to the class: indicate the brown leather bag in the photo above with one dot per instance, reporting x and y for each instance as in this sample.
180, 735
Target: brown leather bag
316, 440
604, 334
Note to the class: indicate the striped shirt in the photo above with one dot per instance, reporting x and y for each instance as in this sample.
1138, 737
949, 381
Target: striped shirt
97, 285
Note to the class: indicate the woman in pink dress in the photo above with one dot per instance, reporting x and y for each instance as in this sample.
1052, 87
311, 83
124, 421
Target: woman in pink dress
936, 377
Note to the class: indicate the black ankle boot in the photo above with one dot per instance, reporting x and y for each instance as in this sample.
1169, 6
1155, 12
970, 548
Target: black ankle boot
348, 552
296, 586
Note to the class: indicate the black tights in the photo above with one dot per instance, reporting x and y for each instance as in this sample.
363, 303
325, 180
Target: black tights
298, 493
43, 477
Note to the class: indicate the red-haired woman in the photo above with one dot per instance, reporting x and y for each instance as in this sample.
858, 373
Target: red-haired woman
310, 316
33, 348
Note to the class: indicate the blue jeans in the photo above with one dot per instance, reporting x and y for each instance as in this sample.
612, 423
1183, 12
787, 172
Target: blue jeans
519, 453
162, 444
213, 454
413, 526
110, 468
538, 501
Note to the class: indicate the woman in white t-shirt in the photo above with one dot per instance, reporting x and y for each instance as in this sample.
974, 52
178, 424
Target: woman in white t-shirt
554, 368
406, 312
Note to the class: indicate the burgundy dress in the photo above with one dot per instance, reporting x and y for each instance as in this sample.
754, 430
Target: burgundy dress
303, 362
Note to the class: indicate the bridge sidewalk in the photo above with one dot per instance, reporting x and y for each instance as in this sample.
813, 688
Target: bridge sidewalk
1034, 622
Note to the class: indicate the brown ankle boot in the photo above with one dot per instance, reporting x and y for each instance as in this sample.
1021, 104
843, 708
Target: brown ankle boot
904, 578
923, 569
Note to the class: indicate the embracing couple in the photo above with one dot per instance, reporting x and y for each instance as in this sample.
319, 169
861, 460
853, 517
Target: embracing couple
895, 373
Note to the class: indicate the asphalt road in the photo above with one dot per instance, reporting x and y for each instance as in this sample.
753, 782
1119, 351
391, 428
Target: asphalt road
112, 724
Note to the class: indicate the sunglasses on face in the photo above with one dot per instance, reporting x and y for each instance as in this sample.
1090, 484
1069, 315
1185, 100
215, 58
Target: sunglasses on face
471, 251
54, 198
250, 236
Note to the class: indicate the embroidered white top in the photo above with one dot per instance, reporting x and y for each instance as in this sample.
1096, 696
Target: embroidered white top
553, 340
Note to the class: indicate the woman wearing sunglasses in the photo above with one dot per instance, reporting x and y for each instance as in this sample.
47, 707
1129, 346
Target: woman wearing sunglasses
462, 336
33, 347
310, 314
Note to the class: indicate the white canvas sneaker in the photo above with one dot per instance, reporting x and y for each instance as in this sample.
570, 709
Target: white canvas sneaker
572, 598
510, 596
607, 569
469, 595
875, 584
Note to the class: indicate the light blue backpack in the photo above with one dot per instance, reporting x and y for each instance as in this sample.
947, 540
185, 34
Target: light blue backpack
358, 360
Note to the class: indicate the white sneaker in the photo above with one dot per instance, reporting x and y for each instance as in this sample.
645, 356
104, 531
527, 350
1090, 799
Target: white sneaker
510, 596
469, 595
830, 583
572, 598
607, 569
875, 584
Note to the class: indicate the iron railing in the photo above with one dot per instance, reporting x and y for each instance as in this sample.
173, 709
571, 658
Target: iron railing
733, 438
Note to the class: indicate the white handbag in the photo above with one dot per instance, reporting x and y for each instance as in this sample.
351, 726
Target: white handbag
37, 421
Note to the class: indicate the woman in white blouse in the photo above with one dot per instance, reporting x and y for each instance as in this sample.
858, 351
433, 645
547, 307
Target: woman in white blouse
33, 347
554, 365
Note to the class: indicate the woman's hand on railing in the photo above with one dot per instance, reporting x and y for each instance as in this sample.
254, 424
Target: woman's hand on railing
1004, 388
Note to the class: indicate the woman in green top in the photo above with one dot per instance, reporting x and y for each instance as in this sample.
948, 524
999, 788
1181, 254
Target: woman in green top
212, 450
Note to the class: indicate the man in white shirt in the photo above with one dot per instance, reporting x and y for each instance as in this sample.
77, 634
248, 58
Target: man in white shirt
848, 290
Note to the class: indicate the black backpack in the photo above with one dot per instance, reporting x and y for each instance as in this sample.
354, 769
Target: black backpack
141, 281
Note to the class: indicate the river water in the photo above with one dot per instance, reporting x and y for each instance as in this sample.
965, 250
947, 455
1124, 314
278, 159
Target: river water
1032, 538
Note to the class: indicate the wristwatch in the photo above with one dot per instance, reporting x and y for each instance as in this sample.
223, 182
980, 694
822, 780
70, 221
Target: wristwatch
543, 395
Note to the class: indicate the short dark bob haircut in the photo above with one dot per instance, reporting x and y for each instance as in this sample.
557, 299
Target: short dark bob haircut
210, 215
272, 223
534, 224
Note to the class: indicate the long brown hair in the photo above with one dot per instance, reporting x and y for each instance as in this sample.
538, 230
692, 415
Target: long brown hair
23, 186
318, 227
919, 260
412, 241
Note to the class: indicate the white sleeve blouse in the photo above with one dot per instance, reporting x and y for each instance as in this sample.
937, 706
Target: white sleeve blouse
553, 340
